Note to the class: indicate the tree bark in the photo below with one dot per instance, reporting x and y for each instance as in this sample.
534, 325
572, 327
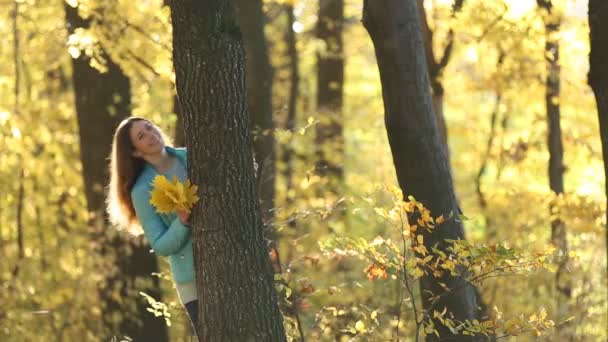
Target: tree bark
420, 161
234, 274
329, 140
598, 77
102, 101
179, 140
259, 89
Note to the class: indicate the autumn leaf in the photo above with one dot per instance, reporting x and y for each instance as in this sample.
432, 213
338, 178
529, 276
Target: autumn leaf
376, 271
169, 196
440, 220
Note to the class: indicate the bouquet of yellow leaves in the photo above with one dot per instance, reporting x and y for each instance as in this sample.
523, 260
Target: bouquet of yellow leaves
169, 196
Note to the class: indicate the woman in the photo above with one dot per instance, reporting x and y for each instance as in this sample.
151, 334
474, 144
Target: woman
139, 154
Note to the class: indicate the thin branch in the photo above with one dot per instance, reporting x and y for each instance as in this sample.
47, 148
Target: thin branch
490, 143
407, 285
143, 63
493, 23
145, 34
16, 55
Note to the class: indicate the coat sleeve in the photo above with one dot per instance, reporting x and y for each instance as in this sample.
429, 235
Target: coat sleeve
164, 240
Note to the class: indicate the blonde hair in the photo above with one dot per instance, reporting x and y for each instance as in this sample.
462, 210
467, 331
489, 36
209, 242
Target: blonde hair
124, 171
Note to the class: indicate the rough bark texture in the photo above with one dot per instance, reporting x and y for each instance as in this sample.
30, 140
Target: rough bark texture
420, 161
598, 76
556, 159
330, 79
259, 95
234, 274
102, 101
179, 140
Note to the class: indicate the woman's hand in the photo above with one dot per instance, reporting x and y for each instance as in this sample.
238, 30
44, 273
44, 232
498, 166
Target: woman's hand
184, 216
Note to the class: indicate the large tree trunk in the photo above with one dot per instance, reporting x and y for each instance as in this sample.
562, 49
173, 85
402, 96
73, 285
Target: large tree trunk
420, 161
102, 101
329, 140
179, 139
259, 91
556, 160
234, 274
598, 76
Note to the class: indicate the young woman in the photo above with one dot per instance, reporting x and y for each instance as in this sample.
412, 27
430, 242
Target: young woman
140, 151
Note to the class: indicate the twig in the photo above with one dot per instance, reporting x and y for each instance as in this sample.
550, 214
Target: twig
407, 285
143, 63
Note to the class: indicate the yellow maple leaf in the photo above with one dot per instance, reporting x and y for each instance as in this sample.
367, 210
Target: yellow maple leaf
187, 195
169, 196
161, 196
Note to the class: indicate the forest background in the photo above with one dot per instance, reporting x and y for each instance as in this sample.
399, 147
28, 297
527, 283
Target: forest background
59, 277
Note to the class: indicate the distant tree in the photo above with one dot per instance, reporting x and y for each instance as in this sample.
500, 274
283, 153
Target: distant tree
420, 161
102, 101
259, 94
290, 124
329, 141
552, 22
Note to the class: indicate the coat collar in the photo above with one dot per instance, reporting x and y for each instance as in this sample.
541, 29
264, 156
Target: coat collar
179, 153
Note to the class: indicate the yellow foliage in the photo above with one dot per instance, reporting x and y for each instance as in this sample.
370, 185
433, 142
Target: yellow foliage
169, 196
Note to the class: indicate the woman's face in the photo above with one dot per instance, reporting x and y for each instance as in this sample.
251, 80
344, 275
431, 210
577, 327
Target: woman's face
146, 139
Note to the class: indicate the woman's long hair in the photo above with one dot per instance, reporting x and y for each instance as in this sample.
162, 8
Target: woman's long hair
124, 170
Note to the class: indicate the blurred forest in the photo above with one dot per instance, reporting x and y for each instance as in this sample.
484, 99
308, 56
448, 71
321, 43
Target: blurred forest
71, 70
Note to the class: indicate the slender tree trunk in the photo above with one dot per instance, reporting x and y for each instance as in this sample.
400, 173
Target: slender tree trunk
259, 90
20, 203
556, 161
598, 77
483, 203
437, 66
234, 274
102, 101
420, 161
40, 232
290, 152
17, 109
329, 140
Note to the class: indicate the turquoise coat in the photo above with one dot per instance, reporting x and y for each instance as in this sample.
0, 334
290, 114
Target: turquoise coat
165, 232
